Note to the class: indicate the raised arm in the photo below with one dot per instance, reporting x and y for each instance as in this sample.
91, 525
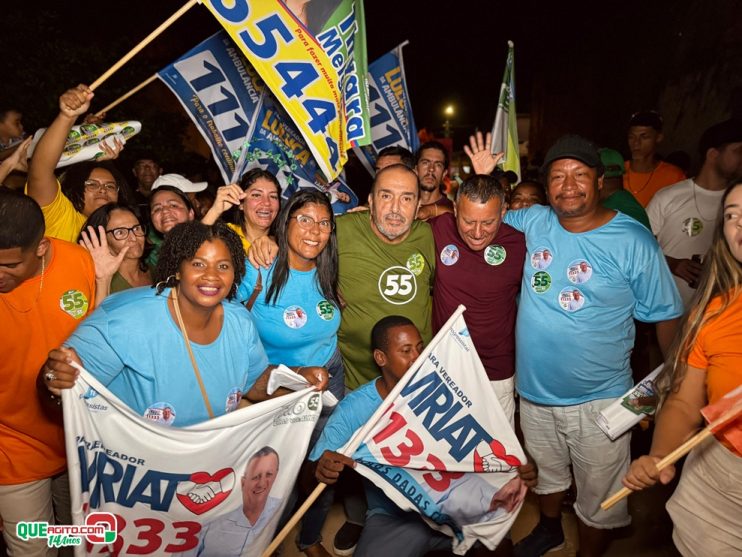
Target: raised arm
478, 151
42, 183
226, 197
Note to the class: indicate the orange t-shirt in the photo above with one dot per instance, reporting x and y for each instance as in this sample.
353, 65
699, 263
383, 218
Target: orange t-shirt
643, 185
718, 350
36, 317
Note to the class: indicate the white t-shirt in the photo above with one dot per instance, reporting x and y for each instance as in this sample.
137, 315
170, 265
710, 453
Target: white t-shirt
682, 218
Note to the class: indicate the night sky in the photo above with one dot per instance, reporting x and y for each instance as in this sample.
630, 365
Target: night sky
580, 66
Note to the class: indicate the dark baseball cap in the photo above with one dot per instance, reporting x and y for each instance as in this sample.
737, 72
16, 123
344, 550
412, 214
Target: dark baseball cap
728, 131
574, 147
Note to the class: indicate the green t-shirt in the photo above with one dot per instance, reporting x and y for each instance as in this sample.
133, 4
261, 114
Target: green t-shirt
623, 201
377, 279
119, 283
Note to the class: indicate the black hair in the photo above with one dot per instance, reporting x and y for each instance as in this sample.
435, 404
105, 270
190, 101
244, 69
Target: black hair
432, 145
180, 193
327, 260
22, 222
648, 118
380, 331
480, 188
102, 215
73, 182
539, 188
182, 243
405, 155
235, 214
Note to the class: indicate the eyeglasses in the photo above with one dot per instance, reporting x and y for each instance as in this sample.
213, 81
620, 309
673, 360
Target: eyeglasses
425, 163
122, 233
307, 223
95, 185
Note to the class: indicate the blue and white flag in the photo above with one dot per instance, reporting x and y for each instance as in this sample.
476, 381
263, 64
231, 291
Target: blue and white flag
441, 445
215, 489
392, 122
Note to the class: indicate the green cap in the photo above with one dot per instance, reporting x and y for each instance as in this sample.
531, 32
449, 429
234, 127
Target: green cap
613, 162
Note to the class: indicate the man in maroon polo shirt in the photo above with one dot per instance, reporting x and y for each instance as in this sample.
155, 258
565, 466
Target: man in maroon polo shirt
480, 265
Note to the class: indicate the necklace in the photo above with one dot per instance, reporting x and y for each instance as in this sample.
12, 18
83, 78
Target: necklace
695, 202
38, 295
641, 189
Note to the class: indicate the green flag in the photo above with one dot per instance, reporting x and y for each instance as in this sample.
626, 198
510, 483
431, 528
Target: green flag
505, 128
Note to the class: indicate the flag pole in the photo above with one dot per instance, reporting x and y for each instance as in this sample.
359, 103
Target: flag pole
725, 419
122, 98
113, 69
301, 511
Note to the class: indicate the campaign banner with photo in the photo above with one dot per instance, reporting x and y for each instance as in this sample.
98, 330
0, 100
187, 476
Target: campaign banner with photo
83, 141
277, 145
392, 122
313, 59
215, 488
218, 89
441, 445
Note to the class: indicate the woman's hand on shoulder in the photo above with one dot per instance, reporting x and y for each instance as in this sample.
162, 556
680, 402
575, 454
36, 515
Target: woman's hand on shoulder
262, 252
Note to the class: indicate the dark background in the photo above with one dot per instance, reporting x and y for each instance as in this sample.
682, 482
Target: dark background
580, 67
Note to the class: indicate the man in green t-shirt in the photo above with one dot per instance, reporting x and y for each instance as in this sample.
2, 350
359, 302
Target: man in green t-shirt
386, 267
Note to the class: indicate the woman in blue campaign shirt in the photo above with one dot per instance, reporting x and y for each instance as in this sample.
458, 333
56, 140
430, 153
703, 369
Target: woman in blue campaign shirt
133, 343
297, 312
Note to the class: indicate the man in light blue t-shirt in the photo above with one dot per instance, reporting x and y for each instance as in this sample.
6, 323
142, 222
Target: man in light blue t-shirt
589, 272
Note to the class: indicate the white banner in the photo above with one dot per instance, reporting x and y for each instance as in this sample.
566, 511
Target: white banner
216, 488
442, 445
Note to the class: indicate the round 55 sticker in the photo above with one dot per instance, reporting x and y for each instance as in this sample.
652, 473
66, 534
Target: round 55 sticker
398, 285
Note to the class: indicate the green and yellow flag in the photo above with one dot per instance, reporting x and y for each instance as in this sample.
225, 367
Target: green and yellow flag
505, 128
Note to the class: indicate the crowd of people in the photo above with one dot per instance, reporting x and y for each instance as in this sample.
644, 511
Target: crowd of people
557, 277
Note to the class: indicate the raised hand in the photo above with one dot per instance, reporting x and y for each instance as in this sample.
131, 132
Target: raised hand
478, 151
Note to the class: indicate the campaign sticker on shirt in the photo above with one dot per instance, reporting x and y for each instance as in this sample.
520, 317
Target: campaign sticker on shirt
541, 282
74, 303
295, 317
579, 271
692, 226
416, 263
541, 259
449, 255
397, 285
233, 399
495, 254
571, 299
160, 412
325, 310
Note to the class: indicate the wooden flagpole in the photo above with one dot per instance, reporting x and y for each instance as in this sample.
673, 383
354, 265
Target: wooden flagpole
122, 98
113, 69
725, 419
301, 511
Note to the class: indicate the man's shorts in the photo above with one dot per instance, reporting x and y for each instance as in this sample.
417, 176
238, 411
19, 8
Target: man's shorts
559, 436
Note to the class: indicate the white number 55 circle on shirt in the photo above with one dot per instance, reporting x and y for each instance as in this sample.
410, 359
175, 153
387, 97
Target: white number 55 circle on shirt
397, 285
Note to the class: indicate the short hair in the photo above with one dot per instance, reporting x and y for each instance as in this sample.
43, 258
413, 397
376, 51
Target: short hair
4, 112
534, 184
405, 155
398, 166
480, 188
648, 118
21, 221
73, 182
260, 453
432, 145
182, 243
380, 331
145, 155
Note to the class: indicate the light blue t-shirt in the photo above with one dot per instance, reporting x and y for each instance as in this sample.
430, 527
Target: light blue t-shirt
132, 345
300, 327
580, 294
350, 414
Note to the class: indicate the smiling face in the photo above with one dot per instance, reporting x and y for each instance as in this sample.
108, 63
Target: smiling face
305, 244
206, 280
95, 197
167, 209
478, 223
124, 219
733, 222
393, 203
261, 204
258, 480
573, 188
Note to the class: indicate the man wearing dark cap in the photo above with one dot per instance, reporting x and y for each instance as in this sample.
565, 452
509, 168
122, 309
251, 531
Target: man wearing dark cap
574, 336
645, 173
683, 215
612, 194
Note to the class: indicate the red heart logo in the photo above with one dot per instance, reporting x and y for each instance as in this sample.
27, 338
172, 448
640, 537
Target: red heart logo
193, 499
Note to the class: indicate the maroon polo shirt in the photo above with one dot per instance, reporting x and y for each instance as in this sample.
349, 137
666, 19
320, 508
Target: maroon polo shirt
487, 282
